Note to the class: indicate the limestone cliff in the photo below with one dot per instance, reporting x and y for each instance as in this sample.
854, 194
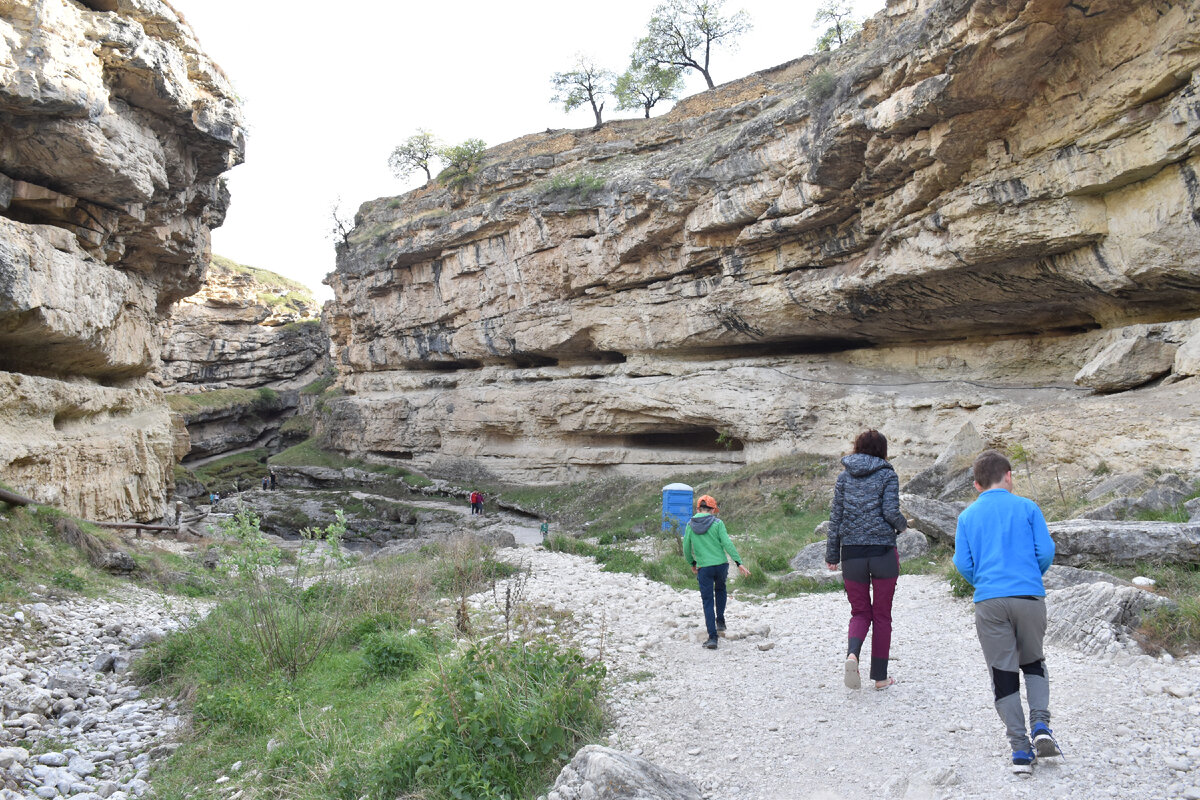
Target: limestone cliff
940, 223
114, 131
246, 328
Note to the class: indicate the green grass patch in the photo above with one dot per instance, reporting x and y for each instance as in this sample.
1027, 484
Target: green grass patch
382, 712
572, 189
301, 423
44, 546
262, 277
235, 472
222, 400
771, 511
1175, 630
319, 385
309, 454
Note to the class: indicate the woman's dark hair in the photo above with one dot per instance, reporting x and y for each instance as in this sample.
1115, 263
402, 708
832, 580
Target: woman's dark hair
871, 443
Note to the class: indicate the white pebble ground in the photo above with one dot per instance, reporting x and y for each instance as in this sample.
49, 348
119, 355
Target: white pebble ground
768, 717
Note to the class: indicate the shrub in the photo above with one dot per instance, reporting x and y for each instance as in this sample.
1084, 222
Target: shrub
66, 579
495, 722
240, 708
293, 621
821, 86
462, 162
391, 653
577, 189
1176, 630
959, 587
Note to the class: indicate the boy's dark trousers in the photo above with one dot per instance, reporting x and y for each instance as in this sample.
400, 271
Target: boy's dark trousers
712, 588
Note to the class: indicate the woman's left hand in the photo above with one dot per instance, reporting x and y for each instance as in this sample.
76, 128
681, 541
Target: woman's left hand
742, 569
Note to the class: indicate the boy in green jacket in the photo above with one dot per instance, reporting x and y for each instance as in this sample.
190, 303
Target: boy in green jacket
706, 545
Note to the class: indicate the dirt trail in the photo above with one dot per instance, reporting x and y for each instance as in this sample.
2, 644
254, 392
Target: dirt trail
767, 717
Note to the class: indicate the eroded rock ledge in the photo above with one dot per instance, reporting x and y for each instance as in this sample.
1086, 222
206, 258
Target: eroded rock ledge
991, 195
114, 131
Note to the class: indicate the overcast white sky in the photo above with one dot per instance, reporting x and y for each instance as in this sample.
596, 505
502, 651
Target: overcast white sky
330, 89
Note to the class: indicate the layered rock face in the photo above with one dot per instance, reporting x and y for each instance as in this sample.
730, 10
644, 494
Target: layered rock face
946, 221
245, 328
114, 131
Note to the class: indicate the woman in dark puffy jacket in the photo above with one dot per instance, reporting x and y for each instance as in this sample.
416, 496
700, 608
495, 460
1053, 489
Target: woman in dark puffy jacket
863, 523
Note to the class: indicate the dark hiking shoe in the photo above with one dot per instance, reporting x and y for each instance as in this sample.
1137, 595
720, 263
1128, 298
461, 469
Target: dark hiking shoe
1022, 762
711, 644
720, 627
1044, 742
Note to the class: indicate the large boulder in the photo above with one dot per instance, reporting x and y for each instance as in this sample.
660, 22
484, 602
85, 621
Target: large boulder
1187, 357
935, 518
950, 475
1060, 576
601, 773
1097, 618
1124, 484
1168, 492
1081, 541
1127, 364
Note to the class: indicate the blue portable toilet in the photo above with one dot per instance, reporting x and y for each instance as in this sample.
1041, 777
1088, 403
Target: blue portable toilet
677, 500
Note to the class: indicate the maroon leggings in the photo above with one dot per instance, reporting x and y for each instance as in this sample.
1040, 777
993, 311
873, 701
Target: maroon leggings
870, 585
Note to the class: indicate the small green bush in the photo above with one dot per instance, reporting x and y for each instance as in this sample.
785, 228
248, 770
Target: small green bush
1176, 630
390, 654
66, 579
577, 189
821, 86
498, 722
959, 587
241, 708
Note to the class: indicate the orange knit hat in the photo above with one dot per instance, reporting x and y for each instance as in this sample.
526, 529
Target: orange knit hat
706, 501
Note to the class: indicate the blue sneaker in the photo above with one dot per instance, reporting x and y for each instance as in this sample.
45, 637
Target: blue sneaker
1044, 742
1022, 764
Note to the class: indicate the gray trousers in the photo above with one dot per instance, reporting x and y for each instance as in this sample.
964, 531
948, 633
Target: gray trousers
1011, 630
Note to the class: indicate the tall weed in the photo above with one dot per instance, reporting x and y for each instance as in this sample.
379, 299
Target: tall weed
292, 618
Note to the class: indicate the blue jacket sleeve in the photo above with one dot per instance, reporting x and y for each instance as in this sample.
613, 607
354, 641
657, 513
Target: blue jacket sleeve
964, 561
1043, 545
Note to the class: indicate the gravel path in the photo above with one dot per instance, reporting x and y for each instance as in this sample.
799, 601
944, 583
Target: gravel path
766, 716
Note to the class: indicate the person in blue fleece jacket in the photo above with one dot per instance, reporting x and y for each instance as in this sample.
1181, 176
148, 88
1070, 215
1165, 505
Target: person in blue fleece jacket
1003, 547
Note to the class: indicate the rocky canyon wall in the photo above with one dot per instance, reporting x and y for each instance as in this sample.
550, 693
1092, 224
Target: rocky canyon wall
246, 328
114, 131
981, 211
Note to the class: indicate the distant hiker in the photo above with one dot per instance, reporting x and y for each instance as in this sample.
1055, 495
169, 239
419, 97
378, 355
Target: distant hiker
545, 529
272, 479
707, 547
266, 482
864, 520
1003, 548
477, 503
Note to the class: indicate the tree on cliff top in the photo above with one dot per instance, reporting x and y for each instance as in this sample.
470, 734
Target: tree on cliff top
586, 83
415, 153
841, 14
682, 34
462, 161
644, 84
